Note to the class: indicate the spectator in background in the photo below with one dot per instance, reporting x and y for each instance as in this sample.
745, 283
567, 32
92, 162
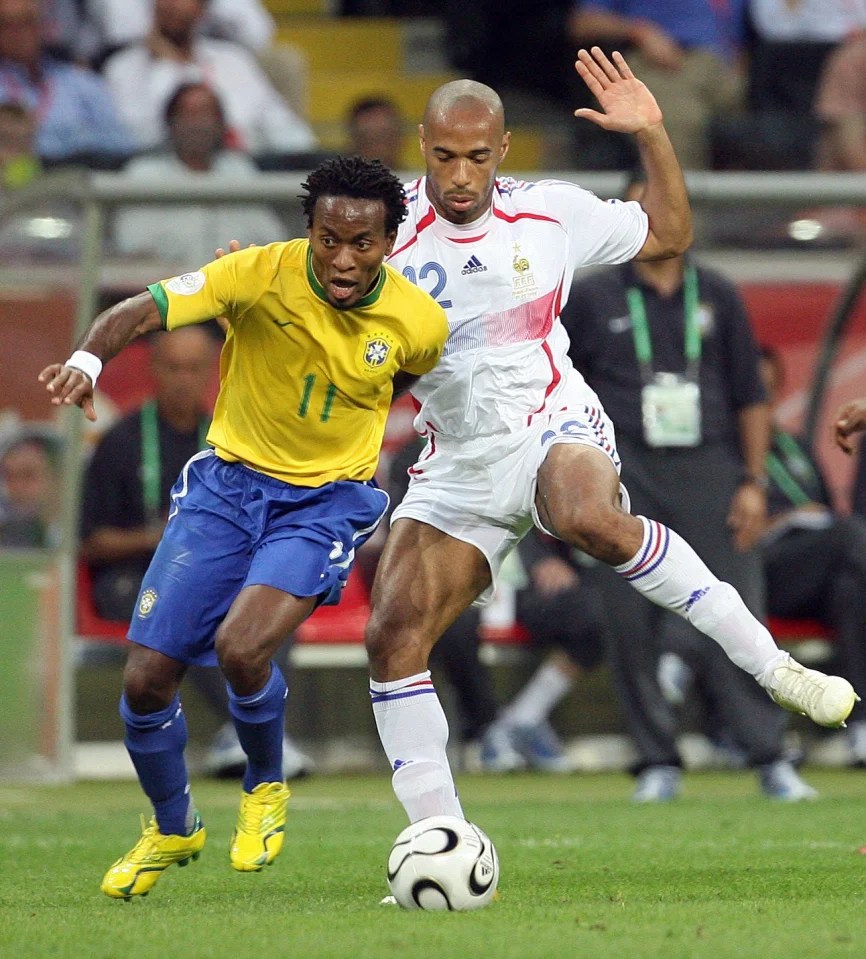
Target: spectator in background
686, 53
19, 163
814, 558
144, 75
76, 117
108, 25
668, 348
125, 504
790, 43
61, 27
105, 26
560, 605
840, 106
196, 151
30, 491
375, 131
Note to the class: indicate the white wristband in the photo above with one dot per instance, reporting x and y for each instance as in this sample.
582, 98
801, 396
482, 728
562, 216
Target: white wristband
87, 363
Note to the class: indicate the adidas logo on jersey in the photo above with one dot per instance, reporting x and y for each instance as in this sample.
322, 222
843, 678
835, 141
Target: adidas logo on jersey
473, 265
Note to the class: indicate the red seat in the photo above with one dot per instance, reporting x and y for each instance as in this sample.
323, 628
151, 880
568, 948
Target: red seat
88, 623
514, 634
343, 623
792, 630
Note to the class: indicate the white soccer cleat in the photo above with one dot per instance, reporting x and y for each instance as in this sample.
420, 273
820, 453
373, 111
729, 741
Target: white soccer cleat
826, 700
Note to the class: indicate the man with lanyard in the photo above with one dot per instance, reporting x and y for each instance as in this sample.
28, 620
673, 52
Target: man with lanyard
814, 558
133, 468
668, 347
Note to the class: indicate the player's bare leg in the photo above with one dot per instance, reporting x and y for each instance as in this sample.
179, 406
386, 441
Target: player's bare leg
424, 581
578, 500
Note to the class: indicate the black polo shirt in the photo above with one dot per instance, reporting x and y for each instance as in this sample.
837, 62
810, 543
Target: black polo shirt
598, 323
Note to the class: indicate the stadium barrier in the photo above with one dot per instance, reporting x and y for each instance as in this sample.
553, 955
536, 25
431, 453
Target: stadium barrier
332, 636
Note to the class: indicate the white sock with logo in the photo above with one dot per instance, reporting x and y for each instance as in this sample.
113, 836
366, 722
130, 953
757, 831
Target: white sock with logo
414, 734
671, 574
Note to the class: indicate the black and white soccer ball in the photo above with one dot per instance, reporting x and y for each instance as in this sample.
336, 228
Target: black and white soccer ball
443, 862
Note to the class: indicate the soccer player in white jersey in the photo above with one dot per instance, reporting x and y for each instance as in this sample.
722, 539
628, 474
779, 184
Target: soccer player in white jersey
514, 434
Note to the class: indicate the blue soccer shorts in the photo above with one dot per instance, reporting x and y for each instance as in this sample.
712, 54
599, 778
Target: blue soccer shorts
230, 527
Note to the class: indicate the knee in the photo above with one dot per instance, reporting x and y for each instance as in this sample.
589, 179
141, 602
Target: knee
387, 641
145, 689
240, 651
603, 531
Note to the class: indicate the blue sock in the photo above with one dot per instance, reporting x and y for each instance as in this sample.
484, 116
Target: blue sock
259, 720
155, 743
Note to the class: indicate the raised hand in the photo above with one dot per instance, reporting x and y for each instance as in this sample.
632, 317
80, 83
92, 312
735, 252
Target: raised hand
234, 246
627, 104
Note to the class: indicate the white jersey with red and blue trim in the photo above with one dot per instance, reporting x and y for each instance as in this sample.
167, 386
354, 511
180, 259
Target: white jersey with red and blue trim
503, 281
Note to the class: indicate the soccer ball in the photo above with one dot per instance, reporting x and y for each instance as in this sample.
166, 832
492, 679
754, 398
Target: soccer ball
443, 862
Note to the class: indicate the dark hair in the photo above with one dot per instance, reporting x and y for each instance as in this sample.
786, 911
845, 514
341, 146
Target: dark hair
15, 109
352, 176
366, 104
50, 446
173, 104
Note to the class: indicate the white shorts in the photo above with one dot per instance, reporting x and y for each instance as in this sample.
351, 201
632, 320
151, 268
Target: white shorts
483, 491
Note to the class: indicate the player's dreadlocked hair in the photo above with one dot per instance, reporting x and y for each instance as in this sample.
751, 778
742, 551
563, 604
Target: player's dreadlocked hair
353, 176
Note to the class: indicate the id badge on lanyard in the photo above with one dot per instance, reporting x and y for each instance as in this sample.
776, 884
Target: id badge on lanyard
671, 408
670, 402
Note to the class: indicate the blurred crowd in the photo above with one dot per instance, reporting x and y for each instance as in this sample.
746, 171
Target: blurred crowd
746, 84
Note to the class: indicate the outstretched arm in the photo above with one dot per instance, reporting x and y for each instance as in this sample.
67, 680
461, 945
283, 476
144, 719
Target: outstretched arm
627, 106
72, 383
850, 419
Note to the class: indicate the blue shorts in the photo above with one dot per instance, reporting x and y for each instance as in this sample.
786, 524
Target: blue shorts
230, 527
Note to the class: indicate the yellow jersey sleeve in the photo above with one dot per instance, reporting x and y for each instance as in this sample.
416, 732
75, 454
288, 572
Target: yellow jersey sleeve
226, 287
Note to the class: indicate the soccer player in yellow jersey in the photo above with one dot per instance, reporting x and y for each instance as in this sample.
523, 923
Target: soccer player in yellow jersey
264, 523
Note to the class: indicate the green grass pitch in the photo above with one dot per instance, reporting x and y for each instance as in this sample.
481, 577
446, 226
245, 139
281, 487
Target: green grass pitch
720, 873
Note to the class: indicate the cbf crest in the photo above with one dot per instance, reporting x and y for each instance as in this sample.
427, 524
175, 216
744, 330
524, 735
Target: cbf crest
376, 352
147, 602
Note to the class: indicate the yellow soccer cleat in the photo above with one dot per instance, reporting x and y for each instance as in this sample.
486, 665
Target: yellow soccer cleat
258, 837
136, 873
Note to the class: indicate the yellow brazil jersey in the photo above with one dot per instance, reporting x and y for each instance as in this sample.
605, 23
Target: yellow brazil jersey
305, 387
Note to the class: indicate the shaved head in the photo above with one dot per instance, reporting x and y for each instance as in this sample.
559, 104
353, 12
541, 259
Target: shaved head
463, 95
463, 140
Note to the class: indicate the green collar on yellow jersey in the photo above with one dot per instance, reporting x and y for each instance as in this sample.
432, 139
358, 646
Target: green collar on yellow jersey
319, 290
